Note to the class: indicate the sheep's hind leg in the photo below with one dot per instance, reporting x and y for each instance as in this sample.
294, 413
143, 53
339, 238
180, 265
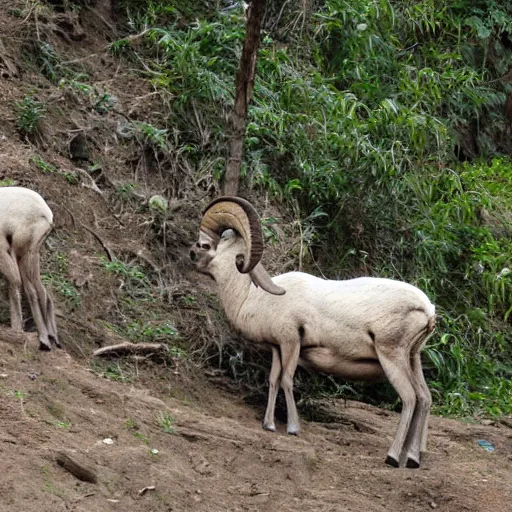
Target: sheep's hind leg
29, 280
289, 360
273, 388
45, 301
50, 318
398, 371
9, 269
418, 433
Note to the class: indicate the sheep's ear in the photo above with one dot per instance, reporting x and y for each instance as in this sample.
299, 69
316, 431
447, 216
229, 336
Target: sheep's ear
228, 233
261, 278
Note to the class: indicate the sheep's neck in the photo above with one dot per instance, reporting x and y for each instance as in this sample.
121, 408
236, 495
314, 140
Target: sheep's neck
233, 290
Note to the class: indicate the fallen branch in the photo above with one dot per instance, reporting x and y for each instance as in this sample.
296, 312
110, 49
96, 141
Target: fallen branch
109, 253
129, 348
76, 468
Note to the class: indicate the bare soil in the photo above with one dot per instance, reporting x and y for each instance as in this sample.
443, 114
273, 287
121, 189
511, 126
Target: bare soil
215, 456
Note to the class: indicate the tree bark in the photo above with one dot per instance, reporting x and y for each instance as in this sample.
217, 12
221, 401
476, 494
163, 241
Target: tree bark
243, 91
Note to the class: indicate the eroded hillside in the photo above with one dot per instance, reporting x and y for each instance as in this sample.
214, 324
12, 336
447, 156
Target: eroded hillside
196, 448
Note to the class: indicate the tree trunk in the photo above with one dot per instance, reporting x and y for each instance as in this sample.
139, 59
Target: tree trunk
243, 92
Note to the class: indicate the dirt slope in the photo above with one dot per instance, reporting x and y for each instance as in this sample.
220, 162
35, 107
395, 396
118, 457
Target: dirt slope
216, 457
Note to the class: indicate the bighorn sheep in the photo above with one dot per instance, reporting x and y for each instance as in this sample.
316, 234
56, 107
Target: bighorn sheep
25, 221
361, 329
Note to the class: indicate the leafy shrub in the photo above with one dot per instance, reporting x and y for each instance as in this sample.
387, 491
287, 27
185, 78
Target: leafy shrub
380, 121
29, 114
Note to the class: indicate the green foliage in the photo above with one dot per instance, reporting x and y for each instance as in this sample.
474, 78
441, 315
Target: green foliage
47, 60
131, 424
58, 281
158, 204
131, 274
19, 395
47, 168
112, 372
382, 121
136, 322
66, 425
101, 101
29, 112
7, 182
141, 437
42, 165
148, 332
166, 422
145, 134
64, 288
125, 191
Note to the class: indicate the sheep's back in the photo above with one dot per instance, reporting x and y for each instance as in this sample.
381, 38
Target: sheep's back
22, 205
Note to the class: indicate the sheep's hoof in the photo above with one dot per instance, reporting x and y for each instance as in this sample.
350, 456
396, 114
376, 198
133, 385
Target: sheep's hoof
293, 430
391, 461
44, 346
55, 341
412, 463
270, 427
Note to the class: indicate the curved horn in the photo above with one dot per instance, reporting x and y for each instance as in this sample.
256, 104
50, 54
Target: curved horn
230, 212
261, 278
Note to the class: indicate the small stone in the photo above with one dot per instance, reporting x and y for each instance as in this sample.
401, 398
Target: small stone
154, 451
3, 375
433, 504
108, 441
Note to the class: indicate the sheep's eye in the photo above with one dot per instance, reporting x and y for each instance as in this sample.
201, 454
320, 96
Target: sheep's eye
206, 247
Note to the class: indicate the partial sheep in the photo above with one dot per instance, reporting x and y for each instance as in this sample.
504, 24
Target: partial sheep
359, 329
25, 221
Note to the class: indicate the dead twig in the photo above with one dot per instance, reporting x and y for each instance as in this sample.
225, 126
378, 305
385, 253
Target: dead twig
81, 59
146, 489
94, 186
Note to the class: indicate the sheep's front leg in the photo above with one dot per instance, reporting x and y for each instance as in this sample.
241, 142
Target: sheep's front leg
289, 359
273, 387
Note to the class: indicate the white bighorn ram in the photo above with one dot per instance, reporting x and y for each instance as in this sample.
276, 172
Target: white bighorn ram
360, 329
25, 221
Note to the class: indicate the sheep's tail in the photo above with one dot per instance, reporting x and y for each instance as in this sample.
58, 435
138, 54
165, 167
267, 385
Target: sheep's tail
431, 319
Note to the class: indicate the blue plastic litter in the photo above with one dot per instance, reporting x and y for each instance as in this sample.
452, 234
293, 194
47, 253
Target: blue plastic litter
486, 445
